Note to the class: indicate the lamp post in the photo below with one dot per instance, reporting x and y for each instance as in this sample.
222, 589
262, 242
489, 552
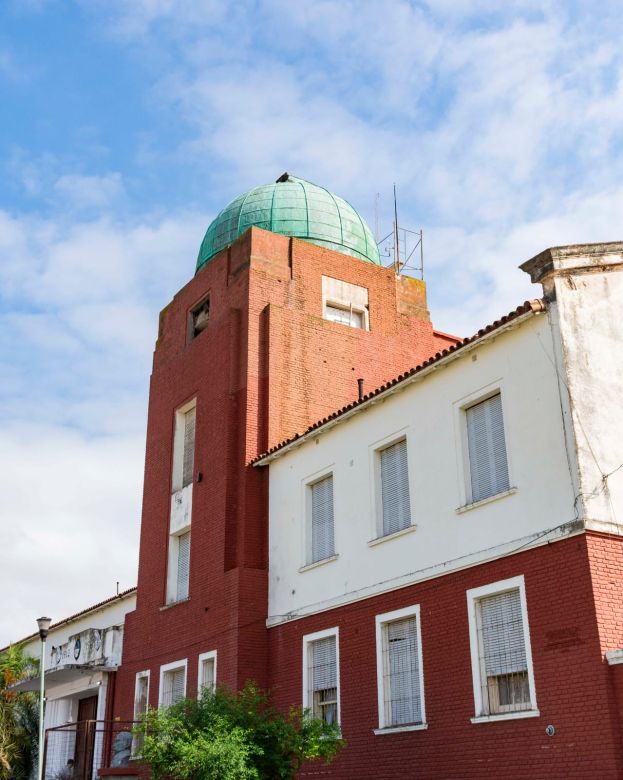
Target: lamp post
44, 627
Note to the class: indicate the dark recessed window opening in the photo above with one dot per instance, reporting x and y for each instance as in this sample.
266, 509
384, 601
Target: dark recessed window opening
199, 318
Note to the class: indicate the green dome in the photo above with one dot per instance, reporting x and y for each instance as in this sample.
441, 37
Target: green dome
292, 207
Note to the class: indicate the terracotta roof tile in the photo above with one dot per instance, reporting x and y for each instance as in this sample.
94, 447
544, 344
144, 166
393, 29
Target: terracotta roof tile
92, 608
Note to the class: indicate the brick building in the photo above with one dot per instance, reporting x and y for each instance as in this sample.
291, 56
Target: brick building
373, 543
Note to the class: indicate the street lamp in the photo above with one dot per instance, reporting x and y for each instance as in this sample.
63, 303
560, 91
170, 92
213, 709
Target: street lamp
44, 627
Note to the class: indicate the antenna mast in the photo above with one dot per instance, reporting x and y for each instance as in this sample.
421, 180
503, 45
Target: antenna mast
396, 244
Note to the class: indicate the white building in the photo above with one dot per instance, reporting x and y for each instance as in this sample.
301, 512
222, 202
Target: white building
83, 653
400, 521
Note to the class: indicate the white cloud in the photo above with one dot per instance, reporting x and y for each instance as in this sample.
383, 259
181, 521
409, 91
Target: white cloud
70, 520
90, 192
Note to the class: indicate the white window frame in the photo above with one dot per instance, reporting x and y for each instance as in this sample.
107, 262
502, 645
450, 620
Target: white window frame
309, 484
137, 739
473, 597
305, 525
308, 640
173, 564
462, 444
375, 450
350, 309
209, 656
382, 621
177, 471
140, 676
172, 667
347, 297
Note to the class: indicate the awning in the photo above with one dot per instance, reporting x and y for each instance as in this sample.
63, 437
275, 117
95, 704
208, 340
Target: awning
67, 673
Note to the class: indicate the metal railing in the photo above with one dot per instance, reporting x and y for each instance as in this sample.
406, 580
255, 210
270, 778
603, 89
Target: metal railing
76, 751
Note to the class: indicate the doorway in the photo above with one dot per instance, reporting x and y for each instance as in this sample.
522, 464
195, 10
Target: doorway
85, 738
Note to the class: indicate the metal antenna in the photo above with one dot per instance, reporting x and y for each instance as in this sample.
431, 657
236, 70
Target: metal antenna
396, 245
376, 216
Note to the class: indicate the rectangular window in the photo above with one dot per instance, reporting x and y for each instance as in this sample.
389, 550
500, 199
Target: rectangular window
501, 656
172, 683
488, 466
345, 303
322, 534
321, 690
178, 568
199, 318
346, 316
189, 447
394, 486
207, 672
399, 669
183, 565
141, 704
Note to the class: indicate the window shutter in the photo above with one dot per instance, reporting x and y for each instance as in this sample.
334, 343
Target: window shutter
177, 685
183, 565
322, 538
487, 448
503, 643
189, 446
403, 702
395, 488
323, 664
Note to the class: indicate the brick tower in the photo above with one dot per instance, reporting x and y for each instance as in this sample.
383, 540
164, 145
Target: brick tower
288, 309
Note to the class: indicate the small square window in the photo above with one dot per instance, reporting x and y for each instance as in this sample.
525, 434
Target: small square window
346, 316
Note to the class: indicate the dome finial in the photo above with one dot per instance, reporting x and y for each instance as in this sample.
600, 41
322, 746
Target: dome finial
284, 177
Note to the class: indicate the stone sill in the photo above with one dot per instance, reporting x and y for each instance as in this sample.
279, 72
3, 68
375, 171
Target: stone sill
490, 499
316, 564
506, 716
174, 604
380, 539
400, 729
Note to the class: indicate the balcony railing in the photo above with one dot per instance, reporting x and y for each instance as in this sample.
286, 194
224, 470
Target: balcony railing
76, 751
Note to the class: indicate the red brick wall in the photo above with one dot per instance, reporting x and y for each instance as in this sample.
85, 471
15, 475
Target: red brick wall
573, 685
266, 367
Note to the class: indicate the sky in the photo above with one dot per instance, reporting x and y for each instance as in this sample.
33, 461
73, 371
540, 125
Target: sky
128, 124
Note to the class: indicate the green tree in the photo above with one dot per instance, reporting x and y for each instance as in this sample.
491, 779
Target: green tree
19, 716
226, 736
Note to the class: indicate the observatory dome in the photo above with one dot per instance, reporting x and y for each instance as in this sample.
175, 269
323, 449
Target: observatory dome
292, 207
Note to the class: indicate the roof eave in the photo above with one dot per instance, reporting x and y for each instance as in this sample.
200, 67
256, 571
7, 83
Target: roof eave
533, 308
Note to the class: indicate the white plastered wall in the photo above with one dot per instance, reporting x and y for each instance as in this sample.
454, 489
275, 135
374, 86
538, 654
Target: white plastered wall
521, 362
588, 313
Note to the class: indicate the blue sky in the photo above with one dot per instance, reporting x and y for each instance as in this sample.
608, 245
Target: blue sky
127, 125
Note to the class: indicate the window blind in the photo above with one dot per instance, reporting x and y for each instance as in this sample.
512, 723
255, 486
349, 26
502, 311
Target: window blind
174, 684
395, 488
403, 701
183, 565
503, 645
322, 536
189, 446
487, 448
323, 664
